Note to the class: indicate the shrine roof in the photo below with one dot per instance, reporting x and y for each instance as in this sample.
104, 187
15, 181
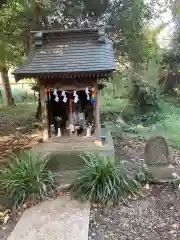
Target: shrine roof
68, 52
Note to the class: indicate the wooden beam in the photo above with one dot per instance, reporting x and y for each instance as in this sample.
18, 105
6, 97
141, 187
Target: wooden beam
97, 112
44, 114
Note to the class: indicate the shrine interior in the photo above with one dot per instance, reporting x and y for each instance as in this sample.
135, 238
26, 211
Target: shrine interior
70, 109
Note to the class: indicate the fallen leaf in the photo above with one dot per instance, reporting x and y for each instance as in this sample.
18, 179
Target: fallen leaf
7, 211
2, 214
5, 220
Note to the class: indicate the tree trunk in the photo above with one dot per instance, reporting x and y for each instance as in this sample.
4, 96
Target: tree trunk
8, 99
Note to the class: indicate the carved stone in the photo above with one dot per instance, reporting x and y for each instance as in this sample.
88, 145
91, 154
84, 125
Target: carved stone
156, 152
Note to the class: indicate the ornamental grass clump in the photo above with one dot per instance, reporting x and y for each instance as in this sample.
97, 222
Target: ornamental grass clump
26, 178
103, 181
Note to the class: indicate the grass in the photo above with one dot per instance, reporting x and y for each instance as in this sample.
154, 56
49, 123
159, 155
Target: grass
26, 177
103, 181
21, 115
168, 126
109, 105
19, 109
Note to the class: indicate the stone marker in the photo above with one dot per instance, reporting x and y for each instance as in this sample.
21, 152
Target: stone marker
157, 159
156, 151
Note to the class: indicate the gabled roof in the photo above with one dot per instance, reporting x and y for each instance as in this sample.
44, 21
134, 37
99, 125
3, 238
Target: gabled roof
65, 52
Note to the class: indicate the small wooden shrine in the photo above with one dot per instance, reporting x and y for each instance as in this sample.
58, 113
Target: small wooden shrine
70, 66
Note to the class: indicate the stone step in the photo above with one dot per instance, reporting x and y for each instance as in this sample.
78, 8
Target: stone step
60, 219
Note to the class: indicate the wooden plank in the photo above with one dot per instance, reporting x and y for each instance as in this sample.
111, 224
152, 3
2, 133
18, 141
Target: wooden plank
97, 113
45, 130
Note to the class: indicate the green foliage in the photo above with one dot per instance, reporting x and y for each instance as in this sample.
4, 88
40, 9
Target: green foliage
137, 78
135, 93
143, 176
172, 56
147, 79
18, 17
26, 177
146, 74
164, 122
21, 95
108, 104
103, 181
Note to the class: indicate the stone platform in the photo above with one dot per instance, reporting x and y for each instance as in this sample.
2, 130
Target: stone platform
64, 152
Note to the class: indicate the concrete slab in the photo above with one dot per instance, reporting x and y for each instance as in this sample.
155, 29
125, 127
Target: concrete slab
60, 219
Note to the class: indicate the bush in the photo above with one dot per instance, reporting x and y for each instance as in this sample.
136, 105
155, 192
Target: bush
102, 181
26, 177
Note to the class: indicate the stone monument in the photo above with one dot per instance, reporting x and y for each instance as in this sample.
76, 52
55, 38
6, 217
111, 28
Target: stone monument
156, 157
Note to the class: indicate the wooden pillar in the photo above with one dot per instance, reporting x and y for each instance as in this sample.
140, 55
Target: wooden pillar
44, 114
70, 114
70, 110
97, 112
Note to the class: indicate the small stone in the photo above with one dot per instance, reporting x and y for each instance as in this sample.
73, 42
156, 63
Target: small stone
24, 205
94, 205
19, 213
175, 225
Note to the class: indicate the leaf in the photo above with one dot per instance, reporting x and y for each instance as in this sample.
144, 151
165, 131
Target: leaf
2, 214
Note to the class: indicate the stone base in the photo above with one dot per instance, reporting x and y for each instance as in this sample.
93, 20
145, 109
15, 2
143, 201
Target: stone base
162, 173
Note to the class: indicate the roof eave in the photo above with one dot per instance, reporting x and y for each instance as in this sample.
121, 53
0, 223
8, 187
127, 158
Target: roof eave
73, 30
64, 75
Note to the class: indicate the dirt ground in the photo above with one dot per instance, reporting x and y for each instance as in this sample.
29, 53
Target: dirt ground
156, 216
17, 131
153, 216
